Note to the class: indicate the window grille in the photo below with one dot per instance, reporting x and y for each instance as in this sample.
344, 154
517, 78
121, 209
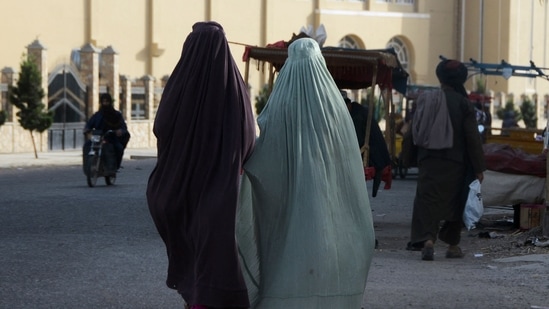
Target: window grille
138, 103
401, 51
348, 42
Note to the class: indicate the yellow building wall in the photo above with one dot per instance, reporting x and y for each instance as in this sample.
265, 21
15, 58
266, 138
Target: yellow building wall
286, 17
526, 34
148, 35
134, 28
439, 39
122, 26
57, 24
514, 31
172, 22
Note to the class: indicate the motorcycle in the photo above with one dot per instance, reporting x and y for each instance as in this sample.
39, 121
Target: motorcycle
100, 160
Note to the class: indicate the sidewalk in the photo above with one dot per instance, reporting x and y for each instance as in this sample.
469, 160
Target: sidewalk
60, 157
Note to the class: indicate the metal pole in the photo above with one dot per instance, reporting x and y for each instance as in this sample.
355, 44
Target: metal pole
390, 134
545, 221
366, 148
247, 72
271, 77
64, 106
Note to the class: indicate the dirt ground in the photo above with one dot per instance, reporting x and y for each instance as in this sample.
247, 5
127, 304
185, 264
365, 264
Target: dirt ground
502, 267
502, 239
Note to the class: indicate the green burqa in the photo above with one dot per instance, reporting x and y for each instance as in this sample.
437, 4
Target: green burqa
304, 229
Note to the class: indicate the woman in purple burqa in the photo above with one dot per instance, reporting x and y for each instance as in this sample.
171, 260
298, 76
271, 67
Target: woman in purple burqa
205, 131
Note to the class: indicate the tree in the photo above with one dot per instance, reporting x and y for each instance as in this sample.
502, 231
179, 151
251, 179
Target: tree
528, 111
261, 99
509, 106
3, 117
379, 105
481, 86
27, 97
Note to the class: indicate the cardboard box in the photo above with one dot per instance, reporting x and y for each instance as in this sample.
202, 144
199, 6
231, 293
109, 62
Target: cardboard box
531, 215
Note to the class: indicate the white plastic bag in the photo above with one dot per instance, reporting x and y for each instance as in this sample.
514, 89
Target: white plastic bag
473, 207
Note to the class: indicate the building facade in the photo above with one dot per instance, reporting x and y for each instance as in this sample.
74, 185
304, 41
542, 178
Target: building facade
129, 47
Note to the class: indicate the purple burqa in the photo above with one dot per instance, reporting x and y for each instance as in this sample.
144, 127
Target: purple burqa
205, 131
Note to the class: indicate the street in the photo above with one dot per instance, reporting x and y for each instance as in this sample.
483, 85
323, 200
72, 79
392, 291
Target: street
495, 273
65, 245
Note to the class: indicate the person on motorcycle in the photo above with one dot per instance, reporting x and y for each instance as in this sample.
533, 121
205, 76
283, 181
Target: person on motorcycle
108, 118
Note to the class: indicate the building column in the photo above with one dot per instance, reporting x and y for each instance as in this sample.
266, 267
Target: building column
148, 83
6, 80
36, 52
126, 98
89, 70
110, 70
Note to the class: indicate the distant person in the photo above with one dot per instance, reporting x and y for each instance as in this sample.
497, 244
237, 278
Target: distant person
450, 157
482, 119
488, 121
108, 118
407, 121
378, 154
509, 121
205, 131
305, 228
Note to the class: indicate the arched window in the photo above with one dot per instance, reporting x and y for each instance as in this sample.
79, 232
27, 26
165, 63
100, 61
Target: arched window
348, 42
401, 50
75, 57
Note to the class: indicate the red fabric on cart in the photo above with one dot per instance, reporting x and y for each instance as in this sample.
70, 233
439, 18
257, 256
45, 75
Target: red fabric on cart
506, 159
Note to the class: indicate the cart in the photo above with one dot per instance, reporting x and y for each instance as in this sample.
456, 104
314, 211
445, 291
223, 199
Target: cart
351, 69
518, 138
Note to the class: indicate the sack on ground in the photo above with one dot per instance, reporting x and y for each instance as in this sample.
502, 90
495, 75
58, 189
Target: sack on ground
473, 207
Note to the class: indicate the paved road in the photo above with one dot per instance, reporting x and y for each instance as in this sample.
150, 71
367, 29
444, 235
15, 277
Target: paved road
65, 245
482, 279
60, 158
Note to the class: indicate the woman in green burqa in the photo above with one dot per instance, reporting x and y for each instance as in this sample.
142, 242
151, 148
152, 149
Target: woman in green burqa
304, 227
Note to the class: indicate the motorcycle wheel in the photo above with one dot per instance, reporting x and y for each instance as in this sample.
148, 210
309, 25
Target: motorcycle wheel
110, 180
93, 171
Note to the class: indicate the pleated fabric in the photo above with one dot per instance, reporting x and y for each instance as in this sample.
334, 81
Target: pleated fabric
205, 130
304, 224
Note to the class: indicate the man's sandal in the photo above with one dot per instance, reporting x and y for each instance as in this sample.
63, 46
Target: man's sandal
454, 252
428, 251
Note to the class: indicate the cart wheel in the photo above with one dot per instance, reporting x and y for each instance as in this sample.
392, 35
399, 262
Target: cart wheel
402, 171
394, 170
